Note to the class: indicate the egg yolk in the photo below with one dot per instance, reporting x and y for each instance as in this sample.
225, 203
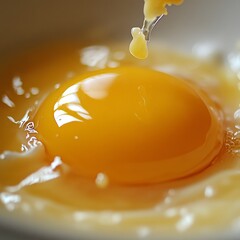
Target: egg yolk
135, 125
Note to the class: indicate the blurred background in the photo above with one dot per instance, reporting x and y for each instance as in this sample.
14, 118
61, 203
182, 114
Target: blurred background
26, 21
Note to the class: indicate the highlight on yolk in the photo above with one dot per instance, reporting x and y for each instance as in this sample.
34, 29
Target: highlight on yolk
135, 125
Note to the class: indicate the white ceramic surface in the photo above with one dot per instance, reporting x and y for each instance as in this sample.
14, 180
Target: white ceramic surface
25, 22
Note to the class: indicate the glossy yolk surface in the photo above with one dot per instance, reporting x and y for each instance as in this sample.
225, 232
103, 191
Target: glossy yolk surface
135, 125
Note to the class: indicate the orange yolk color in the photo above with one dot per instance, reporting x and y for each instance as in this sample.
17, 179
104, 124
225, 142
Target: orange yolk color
135, 125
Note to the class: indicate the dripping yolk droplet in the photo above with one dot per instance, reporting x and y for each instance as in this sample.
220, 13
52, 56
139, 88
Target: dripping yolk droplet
138, 46
135, 125
153, 10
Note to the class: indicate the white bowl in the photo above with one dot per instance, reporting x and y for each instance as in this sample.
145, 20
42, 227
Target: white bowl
28, 22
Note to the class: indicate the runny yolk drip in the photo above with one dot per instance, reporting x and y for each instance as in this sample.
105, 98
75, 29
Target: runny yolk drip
135, 125
138, 46
153, 9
